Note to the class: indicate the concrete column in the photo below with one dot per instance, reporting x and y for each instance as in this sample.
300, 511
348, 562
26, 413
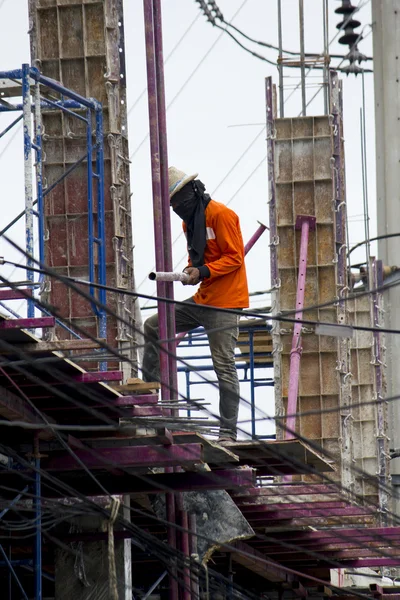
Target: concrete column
386, 49
83, 574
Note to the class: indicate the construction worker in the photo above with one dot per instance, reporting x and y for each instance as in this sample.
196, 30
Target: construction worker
216, 261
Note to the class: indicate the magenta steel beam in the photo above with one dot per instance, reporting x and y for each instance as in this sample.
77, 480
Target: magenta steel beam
287, 515
220, 479
96, 376
15, 294
290, 490
331, 536
252, 507
142, 399
305, 224
255, 237
30, 323
129, 456
157, 190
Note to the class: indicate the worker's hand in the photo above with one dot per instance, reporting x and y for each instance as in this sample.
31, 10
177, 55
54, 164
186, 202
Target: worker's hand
194, 275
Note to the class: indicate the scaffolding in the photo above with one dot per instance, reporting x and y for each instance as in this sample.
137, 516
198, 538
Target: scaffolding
27, 83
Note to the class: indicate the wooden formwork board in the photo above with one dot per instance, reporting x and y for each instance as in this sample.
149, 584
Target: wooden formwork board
306, 173
81, 45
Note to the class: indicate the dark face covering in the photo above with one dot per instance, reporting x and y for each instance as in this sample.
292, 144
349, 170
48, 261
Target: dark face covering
189, 204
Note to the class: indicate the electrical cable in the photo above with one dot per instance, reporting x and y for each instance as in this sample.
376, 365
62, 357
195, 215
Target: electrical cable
192, 74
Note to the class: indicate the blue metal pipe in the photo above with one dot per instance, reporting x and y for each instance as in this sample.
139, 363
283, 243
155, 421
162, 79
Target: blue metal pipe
26, 96
65, 105
7, 129
90, 206
6, 560
14, 501
39, 176
101, 226
61, 106
22, 562
51, 83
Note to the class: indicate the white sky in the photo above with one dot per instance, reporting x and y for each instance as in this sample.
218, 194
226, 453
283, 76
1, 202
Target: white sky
215, 93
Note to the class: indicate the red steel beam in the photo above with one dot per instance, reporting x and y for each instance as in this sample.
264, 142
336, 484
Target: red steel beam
131, 456
96, 376
290, 490
281, 515
253, 507
332, 535
28, 323
15, 294
223, 479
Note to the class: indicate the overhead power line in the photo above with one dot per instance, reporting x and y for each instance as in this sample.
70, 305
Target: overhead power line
213, 14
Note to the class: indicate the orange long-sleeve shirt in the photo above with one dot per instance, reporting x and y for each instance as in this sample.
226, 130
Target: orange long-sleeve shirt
224, 256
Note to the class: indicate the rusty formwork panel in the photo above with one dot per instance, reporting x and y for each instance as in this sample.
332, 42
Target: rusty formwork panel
306, 177
81, 44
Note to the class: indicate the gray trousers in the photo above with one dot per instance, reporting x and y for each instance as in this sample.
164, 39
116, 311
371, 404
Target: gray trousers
222, 330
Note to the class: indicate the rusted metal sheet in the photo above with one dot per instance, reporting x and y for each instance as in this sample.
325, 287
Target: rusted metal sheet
81, 44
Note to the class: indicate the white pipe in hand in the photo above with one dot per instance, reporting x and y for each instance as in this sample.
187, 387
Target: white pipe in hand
165, 276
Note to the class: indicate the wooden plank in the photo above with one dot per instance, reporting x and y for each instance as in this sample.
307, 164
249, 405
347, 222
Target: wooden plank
143, 386
61, 345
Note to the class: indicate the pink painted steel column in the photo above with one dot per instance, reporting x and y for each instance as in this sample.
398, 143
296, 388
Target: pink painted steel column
165, 202
157, 192
254, 238
305, 223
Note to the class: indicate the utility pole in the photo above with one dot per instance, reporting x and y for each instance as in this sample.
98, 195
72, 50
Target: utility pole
386, 48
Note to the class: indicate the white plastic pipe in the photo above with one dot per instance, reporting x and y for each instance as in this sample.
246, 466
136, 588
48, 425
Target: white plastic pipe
165, 276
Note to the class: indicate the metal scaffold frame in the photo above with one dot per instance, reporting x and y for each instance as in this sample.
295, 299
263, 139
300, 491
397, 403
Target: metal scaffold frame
33, 87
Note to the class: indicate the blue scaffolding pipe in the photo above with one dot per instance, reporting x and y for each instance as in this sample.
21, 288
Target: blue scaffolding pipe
31, 77
197, 338
39, 175
101, 226
11, 568
90, 205
14, 501
26, 97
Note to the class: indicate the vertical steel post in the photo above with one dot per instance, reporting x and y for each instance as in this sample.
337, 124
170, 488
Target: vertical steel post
39, 173
27, 120
305, 223
89, 168
165, 202
157, 192
194, 580
185, 549
162, 239
302, 60
101, 225
252, 390
280, 64
376, 282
